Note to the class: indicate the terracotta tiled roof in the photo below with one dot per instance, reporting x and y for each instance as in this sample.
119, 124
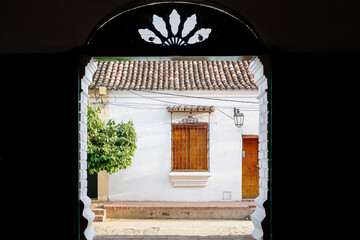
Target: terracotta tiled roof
173, 75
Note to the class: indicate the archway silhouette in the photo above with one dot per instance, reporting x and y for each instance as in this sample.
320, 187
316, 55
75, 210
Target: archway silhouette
169, 29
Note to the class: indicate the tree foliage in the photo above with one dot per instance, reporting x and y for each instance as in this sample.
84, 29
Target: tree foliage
110, 145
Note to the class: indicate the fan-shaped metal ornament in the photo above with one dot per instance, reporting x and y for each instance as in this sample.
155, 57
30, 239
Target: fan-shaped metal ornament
175, 39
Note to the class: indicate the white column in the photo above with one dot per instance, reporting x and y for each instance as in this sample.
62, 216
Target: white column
86, 201
257, 69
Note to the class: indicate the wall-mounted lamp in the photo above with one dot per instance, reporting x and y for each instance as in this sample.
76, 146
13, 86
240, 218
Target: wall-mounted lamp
238, 118
102, 90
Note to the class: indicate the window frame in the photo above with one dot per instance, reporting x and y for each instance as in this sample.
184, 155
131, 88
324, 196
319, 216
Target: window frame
190, 154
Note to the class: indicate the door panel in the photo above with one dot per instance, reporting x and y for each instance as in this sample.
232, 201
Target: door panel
250, 168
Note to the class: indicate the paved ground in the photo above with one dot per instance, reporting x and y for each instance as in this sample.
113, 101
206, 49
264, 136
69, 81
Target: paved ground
127, 237
173, 229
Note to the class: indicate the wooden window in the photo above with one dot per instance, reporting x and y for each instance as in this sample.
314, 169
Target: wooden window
190, 147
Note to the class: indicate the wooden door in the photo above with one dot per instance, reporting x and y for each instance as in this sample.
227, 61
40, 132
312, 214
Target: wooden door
250, 168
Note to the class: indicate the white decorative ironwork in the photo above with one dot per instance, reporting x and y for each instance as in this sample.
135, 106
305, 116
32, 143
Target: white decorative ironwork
190, 118
175, 38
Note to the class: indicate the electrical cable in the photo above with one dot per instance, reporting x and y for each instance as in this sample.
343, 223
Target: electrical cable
153, 98
207, 98
186, 103
161, 107
165, 105
128, 105
183, 104
143, 108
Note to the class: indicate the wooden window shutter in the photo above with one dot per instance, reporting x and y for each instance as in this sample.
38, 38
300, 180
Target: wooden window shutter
190, 147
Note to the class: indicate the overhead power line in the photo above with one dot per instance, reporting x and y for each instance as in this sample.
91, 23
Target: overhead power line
165, 103
149, 106
207, 98
152, 98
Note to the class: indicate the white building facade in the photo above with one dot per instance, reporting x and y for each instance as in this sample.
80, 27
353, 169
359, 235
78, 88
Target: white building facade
152, 177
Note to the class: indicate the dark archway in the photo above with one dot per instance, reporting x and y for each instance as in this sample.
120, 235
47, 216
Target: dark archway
172, 29
118, 34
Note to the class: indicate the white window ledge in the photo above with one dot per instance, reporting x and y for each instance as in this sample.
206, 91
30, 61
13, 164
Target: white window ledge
189, 179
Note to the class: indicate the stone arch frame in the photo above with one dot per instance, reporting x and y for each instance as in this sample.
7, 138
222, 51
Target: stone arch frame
256, 67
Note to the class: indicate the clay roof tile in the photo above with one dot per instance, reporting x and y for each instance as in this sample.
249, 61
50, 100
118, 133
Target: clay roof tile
176, 75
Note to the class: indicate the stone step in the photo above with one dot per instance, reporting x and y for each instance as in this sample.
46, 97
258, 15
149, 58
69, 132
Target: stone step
98, 211
99, 218
248, 200
100, 214
180, 210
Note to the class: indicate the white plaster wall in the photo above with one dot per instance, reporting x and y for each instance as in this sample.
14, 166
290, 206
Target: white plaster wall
148, 177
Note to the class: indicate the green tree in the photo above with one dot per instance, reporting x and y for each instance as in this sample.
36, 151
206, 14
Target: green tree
110, 145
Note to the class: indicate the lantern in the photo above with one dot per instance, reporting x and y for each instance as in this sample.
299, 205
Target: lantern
238, 118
